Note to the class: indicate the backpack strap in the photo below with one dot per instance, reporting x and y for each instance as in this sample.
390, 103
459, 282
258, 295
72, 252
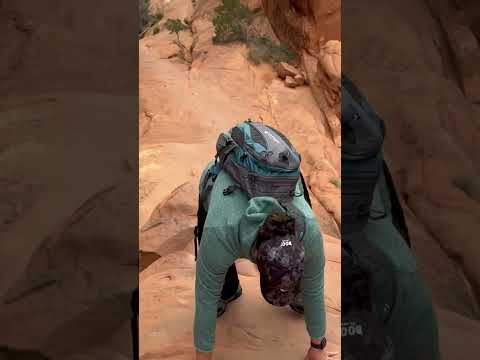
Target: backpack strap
225, 145
205, 191
306, 195
398, 217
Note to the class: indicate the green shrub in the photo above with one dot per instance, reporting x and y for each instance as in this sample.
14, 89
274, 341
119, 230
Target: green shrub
231, 21
147, 19
335, 182
144, 14
156, 30
175, 26
264, 50
157, 17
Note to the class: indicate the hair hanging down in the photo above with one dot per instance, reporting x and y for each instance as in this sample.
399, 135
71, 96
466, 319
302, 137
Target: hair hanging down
276, 224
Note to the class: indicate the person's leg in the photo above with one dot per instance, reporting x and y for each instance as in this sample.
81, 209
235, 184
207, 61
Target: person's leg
231, 290
231, 283
231, 287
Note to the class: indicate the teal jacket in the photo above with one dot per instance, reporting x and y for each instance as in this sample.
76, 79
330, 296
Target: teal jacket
229, 234
410, 319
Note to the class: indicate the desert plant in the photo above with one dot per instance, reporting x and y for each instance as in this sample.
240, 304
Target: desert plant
264, 50
176, 26
231, 21
335, 182
147, 19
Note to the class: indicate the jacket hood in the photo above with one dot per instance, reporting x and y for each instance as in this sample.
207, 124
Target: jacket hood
253, 217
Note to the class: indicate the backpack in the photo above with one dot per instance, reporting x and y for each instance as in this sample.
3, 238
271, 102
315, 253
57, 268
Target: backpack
363, 132
261, 161
362, 139
363, 265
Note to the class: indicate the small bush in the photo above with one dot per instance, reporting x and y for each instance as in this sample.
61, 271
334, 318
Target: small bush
157, 17
335, 182
144, 14
156, 30
264, 50
231, 21
175, 26
147, 19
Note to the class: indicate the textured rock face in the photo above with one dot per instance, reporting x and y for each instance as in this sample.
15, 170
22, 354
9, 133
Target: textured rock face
313, 29
61, 234
28, 44
305, 24
418, 74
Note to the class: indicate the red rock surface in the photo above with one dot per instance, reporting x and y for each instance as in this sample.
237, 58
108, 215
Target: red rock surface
415, 72
182, 110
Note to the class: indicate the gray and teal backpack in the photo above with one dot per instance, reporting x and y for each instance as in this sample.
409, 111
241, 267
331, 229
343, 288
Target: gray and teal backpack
261, 161
364, 267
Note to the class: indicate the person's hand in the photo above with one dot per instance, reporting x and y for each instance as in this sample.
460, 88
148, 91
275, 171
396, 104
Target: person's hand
314, 354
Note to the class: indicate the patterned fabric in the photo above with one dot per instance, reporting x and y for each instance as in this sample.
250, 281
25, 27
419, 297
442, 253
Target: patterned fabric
363, 337
281, 264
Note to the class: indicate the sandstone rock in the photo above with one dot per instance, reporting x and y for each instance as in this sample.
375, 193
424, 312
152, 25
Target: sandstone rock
299, 80
290, 82
89, 225
304, 24
471, 86
173, 9
466, 51
312, 28
253, 5
283, 70
462, 40
330, 58
304, 75
166, 325
423, 162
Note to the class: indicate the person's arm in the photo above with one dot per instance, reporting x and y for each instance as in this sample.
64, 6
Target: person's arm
212, 265
313, 284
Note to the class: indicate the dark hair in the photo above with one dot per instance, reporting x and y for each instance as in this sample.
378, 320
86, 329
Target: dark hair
276, 224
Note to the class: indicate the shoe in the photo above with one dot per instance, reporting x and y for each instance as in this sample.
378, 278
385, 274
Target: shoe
222, 304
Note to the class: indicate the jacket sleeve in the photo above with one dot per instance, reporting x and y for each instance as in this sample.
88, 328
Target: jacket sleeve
212, 265
313, 283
